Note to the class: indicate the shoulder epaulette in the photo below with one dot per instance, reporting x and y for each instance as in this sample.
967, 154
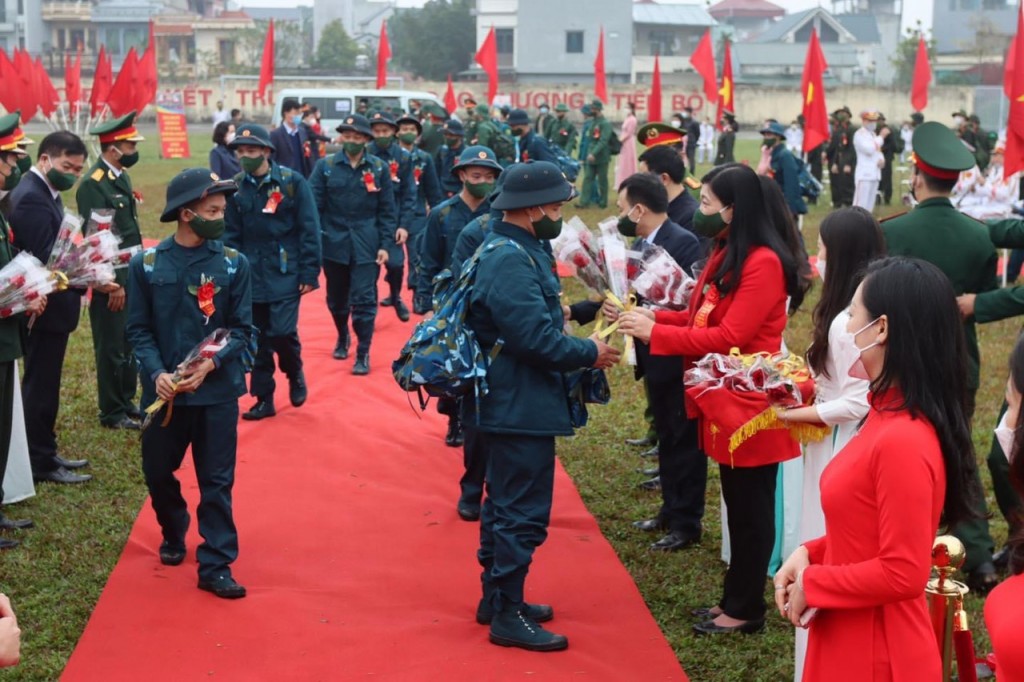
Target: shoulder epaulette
97, 174
894, 215
230, 252
692, 182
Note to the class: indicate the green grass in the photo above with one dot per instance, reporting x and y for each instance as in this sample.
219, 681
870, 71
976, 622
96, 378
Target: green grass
55, 577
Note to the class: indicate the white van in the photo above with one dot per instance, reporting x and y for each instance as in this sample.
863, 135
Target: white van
336, 104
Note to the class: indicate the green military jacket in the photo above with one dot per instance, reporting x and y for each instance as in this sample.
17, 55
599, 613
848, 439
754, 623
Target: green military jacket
562, 133
10, 327
600, 134
431, 138
101, 188
1009, 302
959, 246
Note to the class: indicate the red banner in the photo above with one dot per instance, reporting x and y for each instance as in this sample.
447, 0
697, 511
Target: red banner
170, 120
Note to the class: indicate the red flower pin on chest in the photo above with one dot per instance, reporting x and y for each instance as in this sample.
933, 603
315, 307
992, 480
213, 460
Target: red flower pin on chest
370, 182
273, 201
393, 167
204, 294
417, 173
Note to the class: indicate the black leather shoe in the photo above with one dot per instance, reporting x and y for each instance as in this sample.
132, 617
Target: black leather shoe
171, 555
650, 484
467, 511
674, 542
136, 414
341, 349
224, 587
124, 424
704, 613
61, 475
648, 525
70, 464
362, 365
297, 392
261, 410
644, 442
8, 544
401, 310
387, 302
708, 627
653, 452
651, 471
454, 437
14, 524
538, 613
982, 579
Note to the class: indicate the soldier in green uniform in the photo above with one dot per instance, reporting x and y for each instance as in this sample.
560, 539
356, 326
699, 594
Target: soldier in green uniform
273, 220
107, 186
448, 155
561, 131
469, 123
842, 158
595, 174
959, 246
431, 138
10, 327
168, 316
486, 130
358, 222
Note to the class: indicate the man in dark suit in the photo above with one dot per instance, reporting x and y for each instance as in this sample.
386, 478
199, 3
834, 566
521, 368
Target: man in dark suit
291, 140
692, 129
665, 162
36, 215
643, 200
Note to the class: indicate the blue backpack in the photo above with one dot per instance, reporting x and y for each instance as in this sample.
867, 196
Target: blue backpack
569, 166
810, 187
443, 358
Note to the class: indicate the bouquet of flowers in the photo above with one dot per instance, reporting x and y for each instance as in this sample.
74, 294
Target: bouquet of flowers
101, 220
661, 281
577, 246
22, 281
83, 261
207, 348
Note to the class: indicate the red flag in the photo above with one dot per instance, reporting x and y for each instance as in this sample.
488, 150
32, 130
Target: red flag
726, 93
703, 60
27, 85
922, 77
73, 82
812, 88
146, 75
450, 103
1015, 125
267, 63
1011, 57
654, 101
122, 96
600, 84
101, 82
487, 58
383, 55
9, 97
49, 99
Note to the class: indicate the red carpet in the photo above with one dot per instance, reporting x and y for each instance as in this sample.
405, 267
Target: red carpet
356, 564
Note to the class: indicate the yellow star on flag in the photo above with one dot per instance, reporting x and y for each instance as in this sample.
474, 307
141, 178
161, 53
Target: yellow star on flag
726, 90
810, 92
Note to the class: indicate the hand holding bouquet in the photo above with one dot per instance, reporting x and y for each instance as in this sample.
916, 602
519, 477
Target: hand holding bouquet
576, 246
206, 350
24, 283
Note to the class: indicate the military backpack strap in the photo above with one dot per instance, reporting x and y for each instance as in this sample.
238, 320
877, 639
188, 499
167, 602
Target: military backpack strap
890, 217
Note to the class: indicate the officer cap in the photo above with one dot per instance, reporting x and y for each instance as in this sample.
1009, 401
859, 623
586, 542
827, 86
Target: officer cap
960, 112
655, 134
728, 114
436, 110
917, 117
121, 129
453, 126
596, 105
870, 115
881, 116
562, 106
774, 128
518, 117
379, 117
477, 155
193, 184
482, 109
409, 118
251, 135
8, 140
19, 134
468, 101
535, 183
973, 118
842, 110
356, 123
938, 152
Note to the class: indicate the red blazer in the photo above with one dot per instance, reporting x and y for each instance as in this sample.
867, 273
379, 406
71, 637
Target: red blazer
882, 496
1004, 618
751, 317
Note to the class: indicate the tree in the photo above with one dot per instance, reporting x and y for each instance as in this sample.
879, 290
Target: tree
336, 49
906, 55
435, 40
288, 45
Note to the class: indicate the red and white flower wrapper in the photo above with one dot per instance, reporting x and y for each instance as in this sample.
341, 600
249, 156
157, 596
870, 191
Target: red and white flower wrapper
124, 256
576, 250
205, 350
662, 282
617, 273
91, 262
102, 220
70, 233
22, 281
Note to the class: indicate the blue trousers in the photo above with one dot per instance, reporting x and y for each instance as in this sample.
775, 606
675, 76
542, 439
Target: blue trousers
474, 459
353, 289
278, 324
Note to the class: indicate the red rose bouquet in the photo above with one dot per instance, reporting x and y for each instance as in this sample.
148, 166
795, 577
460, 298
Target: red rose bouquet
662, 282
22, 281
83, 260
206, 350
576, 246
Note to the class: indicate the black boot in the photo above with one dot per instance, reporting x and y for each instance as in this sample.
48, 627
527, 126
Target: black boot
401, 310
341, 348
453, 438
362, 364
512, 627
297, 392
394, 280
263, 408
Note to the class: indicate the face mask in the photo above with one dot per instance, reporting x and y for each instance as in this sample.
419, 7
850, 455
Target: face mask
407, 138
857, 369
958, 121
546, 227
518, 132
479, 190
251, 164
842, 118
207, 229
769, 141
353, 148
627, 226
821, 270
12, 180
384, 142
1004, 434
61, 182
870, 126
129, 160
453, 141
229, 138
543, 110
686, 117
676, 123
24, 164
709, 226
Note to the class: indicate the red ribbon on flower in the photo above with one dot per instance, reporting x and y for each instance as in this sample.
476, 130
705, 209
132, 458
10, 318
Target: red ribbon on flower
205, 296
371, 185
711, 299
393, 167
417, 173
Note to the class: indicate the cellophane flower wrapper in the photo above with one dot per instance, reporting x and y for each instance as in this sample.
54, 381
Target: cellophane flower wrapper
124, 256
206, 349
22, 281
91, 261
102, 220
578, 249
69, 234
662, 282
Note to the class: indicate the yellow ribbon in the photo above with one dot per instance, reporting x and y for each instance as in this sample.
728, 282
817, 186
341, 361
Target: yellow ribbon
629, 305
61, 279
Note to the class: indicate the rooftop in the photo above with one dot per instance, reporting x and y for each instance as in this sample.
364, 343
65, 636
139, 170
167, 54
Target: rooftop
745, 8
671, 15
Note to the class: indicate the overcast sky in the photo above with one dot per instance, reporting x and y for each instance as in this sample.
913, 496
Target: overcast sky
913, 10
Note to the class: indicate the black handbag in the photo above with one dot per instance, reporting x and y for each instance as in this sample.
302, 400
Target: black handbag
585, 386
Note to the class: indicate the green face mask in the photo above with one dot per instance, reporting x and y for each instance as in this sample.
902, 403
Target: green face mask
129, 160
479, 190
251, 164
353, 148
12, 180
207, 229
768, 141
627, 226
546, 227
518, 132
709, 226
24, 164
407, 138
61, 182
384, 142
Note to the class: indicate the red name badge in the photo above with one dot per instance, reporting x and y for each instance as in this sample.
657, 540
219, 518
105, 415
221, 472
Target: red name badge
371, 185
273, 202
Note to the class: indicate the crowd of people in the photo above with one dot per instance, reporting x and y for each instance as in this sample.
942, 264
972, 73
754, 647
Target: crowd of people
894, 354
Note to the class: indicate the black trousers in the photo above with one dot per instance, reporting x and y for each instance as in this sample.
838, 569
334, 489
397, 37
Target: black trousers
353, 289
277, 323
474, 459
682, 466
1006, 497
40, 389
7, 379
749, 494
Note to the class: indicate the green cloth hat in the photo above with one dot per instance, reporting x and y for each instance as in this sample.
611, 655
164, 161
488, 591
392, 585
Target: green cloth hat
959, 112
938, 152
843, 110
251, 135
482, 109
8, 125
477, 155
654, 134
535, 183
357, 123
378, 117
596, 105
120, 129
562, 106
193, 184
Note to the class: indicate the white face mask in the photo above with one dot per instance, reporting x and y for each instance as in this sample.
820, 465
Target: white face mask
870, 126
821, 269
1004, 434
676, 123
229, 138
857, 369
958, 121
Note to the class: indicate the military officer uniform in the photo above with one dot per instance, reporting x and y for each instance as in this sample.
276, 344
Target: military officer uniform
448, 155
561, 131
959, 246
891, 146
428, 195
842, 155
358, 219
106, 187
598, 157
273, 220
165, 322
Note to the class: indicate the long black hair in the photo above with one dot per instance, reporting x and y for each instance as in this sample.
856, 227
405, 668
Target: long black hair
1016, 461
852, 238
781, 217
737, 186
926, 359
220, 132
